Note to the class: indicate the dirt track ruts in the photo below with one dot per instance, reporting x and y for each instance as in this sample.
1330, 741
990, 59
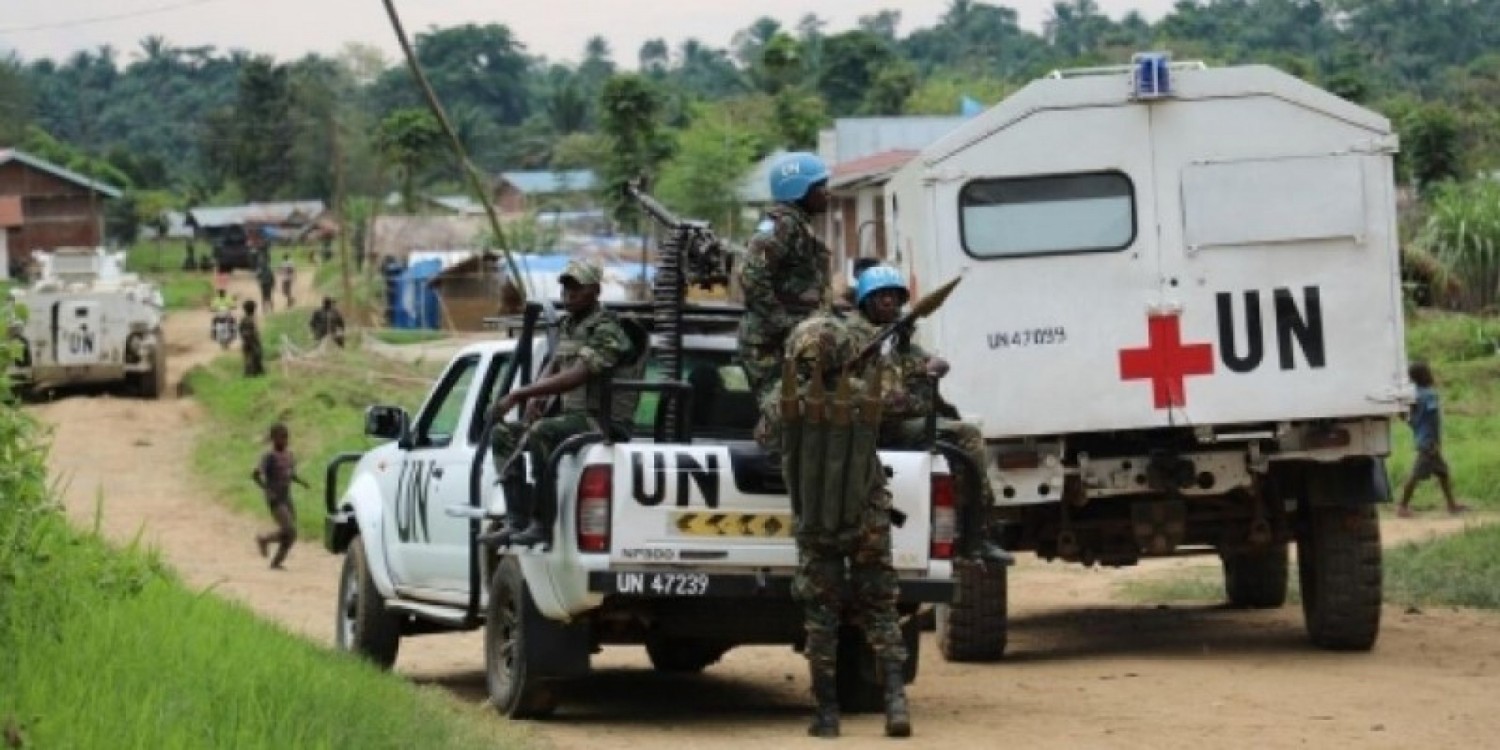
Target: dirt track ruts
1082, 670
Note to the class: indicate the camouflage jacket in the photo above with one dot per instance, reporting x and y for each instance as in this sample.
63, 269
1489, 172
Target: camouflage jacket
902, 365
601, 344
785, 277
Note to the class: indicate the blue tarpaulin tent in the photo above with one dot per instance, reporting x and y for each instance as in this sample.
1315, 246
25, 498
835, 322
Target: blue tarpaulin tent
413, 303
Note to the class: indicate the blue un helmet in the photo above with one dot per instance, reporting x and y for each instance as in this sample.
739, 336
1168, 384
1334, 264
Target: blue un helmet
876, 278
794, 174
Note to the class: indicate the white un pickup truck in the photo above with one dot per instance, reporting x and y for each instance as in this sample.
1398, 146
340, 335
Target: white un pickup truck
676, 537
1181, 328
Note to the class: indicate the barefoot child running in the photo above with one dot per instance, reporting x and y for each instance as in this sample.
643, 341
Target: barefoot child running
1426, 421
274, 474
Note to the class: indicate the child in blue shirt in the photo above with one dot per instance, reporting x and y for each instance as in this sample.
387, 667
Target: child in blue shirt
1426, 421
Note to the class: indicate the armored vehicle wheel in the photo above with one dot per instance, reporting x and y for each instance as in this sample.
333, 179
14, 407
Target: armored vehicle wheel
509, 651
683, 655
365, 627
153, 384
1256, 580
1338, 561
973, 627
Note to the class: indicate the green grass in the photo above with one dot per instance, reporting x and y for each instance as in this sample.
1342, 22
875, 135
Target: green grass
1197, 584
400, 336
111, 652
105, 648
323, 410
1461, 570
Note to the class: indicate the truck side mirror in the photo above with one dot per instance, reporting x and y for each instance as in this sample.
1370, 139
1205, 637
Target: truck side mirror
386, 422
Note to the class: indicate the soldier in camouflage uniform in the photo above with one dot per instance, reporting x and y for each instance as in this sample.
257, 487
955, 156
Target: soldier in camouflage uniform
908, 378
591, 344
785, 273
854, 559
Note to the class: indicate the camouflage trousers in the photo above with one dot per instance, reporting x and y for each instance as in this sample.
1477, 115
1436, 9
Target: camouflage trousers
549, 433
911, 433
859, 565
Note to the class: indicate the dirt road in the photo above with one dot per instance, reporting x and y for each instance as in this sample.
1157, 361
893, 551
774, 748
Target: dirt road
1083, 670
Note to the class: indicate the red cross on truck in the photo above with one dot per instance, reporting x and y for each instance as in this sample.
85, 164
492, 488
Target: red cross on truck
1166, 361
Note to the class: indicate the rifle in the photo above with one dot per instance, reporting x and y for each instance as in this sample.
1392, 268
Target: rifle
924, 307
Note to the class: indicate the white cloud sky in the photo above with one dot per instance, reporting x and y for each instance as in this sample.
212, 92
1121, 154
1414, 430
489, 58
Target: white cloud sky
554, 28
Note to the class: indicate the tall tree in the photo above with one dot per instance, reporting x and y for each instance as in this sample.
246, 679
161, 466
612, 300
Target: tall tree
630, 112
263, 129
851, 62
409, 140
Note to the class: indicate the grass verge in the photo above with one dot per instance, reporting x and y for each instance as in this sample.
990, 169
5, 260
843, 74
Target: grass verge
104, 648
321, 400
1461, 570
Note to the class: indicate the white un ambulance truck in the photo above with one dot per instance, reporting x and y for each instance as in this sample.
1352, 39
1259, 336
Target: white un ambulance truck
1180, 328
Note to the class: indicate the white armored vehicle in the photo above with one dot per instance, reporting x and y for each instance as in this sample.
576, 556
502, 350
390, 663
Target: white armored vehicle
86, 321
1181, 327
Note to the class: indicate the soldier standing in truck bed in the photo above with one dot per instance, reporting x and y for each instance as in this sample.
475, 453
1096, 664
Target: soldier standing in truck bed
785, 274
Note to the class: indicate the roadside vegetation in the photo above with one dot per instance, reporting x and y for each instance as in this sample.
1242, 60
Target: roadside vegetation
321, 399
161, 261
104, 648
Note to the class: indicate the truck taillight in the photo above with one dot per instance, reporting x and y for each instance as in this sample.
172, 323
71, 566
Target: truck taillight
944, 517
593, 508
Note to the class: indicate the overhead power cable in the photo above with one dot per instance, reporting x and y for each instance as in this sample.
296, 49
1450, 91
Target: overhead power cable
103, 19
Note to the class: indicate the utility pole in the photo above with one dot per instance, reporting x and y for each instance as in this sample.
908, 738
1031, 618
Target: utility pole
340, 210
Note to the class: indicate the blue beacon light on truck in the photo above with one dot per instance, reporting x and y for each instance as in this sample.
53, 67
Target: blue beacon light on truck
1151, 75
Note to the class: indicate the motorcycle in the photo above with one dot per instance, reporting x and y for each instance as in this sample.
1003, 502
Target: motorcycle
223, 329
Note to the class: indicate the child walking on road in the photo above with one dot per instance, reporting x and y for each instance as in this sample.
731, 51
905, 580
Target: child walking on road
1426, 421
274, 474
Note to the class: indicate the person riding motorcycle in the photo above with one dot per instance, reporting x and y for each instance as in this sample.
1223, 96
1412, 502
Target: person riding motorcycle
221, 326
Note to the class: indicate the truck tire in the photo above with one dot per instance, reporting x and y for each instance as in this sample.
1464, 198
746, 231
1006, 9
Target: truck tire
508, 652
683, 655
973, 627
365, 626
1338, 562
861, 689
1256, 580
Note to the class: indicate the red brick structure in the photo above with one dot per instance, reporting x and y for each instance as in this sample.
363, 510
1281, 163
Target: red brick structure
43, 206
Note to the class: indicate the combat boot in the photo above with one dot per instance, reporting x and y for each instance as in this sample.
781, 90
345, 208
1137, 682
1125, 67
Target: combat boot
538, 535
518, 510
825, 723
986, 551
897, 720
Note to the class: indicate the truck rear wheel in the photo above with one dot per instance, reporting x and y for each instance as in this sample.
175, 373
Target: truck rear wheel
509, 651
1338, 561
365, 626
861, 689
1256, 580
683, 655
973, 627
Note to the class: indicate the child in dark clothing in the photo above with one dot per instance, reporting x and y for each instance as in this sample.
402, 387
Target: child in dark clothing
274, 474
1426, 421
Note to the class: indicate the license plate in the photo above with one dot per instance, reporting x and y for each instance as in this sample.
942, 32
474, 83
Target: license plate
662, 584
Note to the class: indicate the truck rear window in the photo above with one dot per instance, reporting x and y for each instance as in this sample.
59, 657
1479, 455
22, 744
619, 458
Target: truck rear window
723, 405
1075, 213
